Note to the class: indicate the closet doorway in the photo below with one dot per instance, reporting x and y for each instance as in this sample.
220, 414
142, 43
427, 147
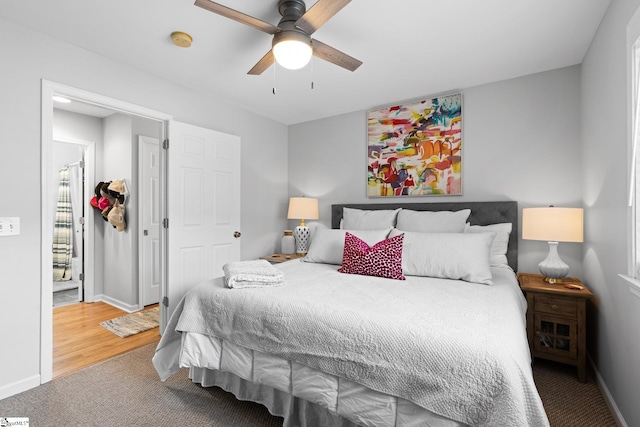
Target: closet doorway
73, 237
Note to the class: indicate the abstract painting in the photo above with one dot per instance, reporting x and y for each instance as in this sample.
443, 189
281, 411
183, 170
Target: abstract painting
416, 149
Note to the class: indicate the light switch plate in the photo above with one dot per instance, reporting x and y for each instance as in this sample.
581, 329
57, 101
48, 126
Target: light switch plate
9, 226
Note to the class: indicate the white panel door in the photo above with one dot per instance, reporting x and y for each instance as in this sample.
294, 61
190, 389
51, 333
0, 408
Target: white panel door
149, 178
203, 207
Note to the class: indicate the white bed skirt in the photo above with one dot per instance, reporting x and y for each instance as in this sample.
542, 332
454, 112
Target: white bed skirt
302, 395
295, 411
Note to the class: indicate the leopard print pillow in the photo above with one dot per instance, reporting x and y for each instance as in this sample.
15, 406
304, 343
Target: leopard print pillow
384, 259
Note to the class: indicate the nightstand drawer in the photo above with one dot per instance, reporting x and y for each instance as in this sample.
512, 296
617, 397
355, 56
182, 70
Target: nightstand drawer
555, 305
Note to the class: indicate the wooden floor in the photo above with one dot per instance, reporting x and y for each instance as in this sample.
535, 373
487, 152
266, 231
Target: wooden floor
79, 340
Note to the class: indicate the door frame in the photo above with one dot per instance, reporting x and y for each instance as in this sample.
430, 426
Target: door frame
88, 282
48, 89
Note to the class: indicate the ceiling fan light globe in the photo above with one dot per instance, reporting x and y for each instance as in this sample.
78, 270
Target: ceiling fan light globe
292, 54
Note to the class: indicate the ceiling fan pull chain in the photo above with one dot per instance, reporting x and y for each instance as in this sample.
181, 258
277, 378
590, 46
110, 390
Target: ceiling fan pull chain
312, 60
274, 78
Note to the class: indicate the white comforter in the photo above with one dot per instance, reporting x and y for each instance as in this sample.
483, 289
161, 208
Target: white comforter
455, 348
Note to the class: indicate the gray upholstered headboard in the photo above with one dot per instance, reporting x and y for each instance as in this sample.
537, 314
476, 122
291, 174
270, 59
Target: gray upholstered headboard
482, 213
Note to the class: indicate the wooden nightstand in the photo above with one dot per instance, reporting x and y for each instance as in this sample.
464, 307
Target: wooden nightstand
556, 320
277, 258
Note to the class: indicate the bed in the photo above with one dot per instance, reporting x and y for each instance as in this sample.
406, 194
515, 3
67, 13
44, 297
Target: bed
444, 346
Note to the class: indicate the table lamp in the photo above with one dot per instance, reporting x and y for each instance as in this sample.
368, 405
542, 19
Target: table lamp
302, 208
553, 225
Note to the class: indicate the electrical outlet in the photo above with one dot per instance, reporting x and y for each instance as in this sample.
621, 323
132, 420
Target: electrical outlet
9, 226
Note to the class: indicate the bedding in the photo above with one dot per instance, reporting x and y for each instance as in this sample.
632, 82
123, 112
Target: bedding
447, 255
500, 243
384, 259
251, 274
432, 222
327, 245
364, 219
453, 350
482, 213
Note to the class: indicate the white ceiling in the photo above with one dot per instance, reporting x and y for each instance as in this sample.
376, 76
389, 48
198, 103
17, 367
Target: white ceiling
410, 48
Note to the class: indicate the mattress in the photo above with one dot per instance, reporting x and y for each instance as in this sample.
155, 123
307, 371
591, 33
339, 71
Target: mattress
421, 352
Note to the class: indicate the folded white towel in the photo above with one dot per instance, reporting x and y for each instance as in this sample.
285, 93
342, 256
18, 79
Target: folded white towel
252, 274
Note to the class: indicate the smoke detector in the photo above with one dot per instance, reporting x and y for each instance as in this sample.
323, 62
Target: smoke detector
181, 39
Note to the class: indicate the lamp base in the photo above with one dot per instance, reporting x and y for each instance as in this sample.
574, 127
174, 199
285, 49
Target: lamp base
302, 239
554, 281
553, 268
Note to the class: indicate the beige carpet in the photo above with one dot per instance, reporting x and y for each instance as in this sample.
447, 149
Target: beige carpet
133, 323
567, 401
126, 391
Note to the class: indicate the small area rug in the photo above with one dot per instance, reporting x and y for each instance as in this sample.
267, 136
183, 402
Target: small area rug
133, 323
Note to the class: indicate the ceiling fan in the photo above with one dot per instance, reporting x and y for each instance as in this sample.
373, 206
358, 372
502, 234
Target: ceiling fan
292, 44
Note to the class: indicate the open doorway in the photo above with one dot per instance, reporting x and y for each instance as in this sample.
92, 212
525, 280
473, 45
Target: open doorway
204, 194
115, 251
70, 160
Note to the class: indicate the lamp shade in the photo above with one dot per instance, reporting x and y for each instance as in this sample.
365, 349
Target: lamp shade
303, 208
553, 224
292, 49
292, 54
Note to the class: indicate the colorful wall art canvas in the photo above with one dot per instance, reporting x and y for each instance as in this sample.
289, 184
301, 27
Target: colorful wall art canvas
416, 149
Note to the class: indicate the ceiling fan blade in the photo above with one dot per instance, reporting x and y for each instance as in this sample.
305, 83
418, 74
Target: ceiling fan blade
319, 13
330, 54
266, 62
237, 16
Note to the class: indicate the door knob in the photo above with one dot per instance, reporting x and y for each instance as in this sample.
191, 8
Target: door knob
236, 234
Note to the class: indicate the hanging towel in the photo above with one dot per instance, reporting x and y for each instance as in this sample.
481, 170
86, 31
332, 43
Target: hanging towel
252, 274
62, 229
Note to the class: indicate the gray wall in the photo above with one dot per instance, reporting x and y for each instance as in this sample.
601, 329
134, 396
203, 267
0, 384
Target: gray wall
34, 56
119, 258
521, 141
616, 323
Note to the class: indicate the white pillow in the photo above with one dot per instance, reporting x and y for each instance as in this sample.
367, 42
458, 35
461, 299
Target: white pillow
358, 219
433, 221
447, 255
500, 242
314, 226
327, 245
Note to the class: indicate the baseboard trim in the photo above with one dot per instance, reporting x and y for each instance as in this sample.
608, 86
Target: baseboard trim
19, 387
608, 398
129, 308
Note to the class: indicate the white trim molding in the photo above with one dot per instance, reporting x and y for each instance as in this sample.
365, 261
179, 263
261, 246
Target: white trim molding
129, 308
634, 284
19, 387
608, 398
